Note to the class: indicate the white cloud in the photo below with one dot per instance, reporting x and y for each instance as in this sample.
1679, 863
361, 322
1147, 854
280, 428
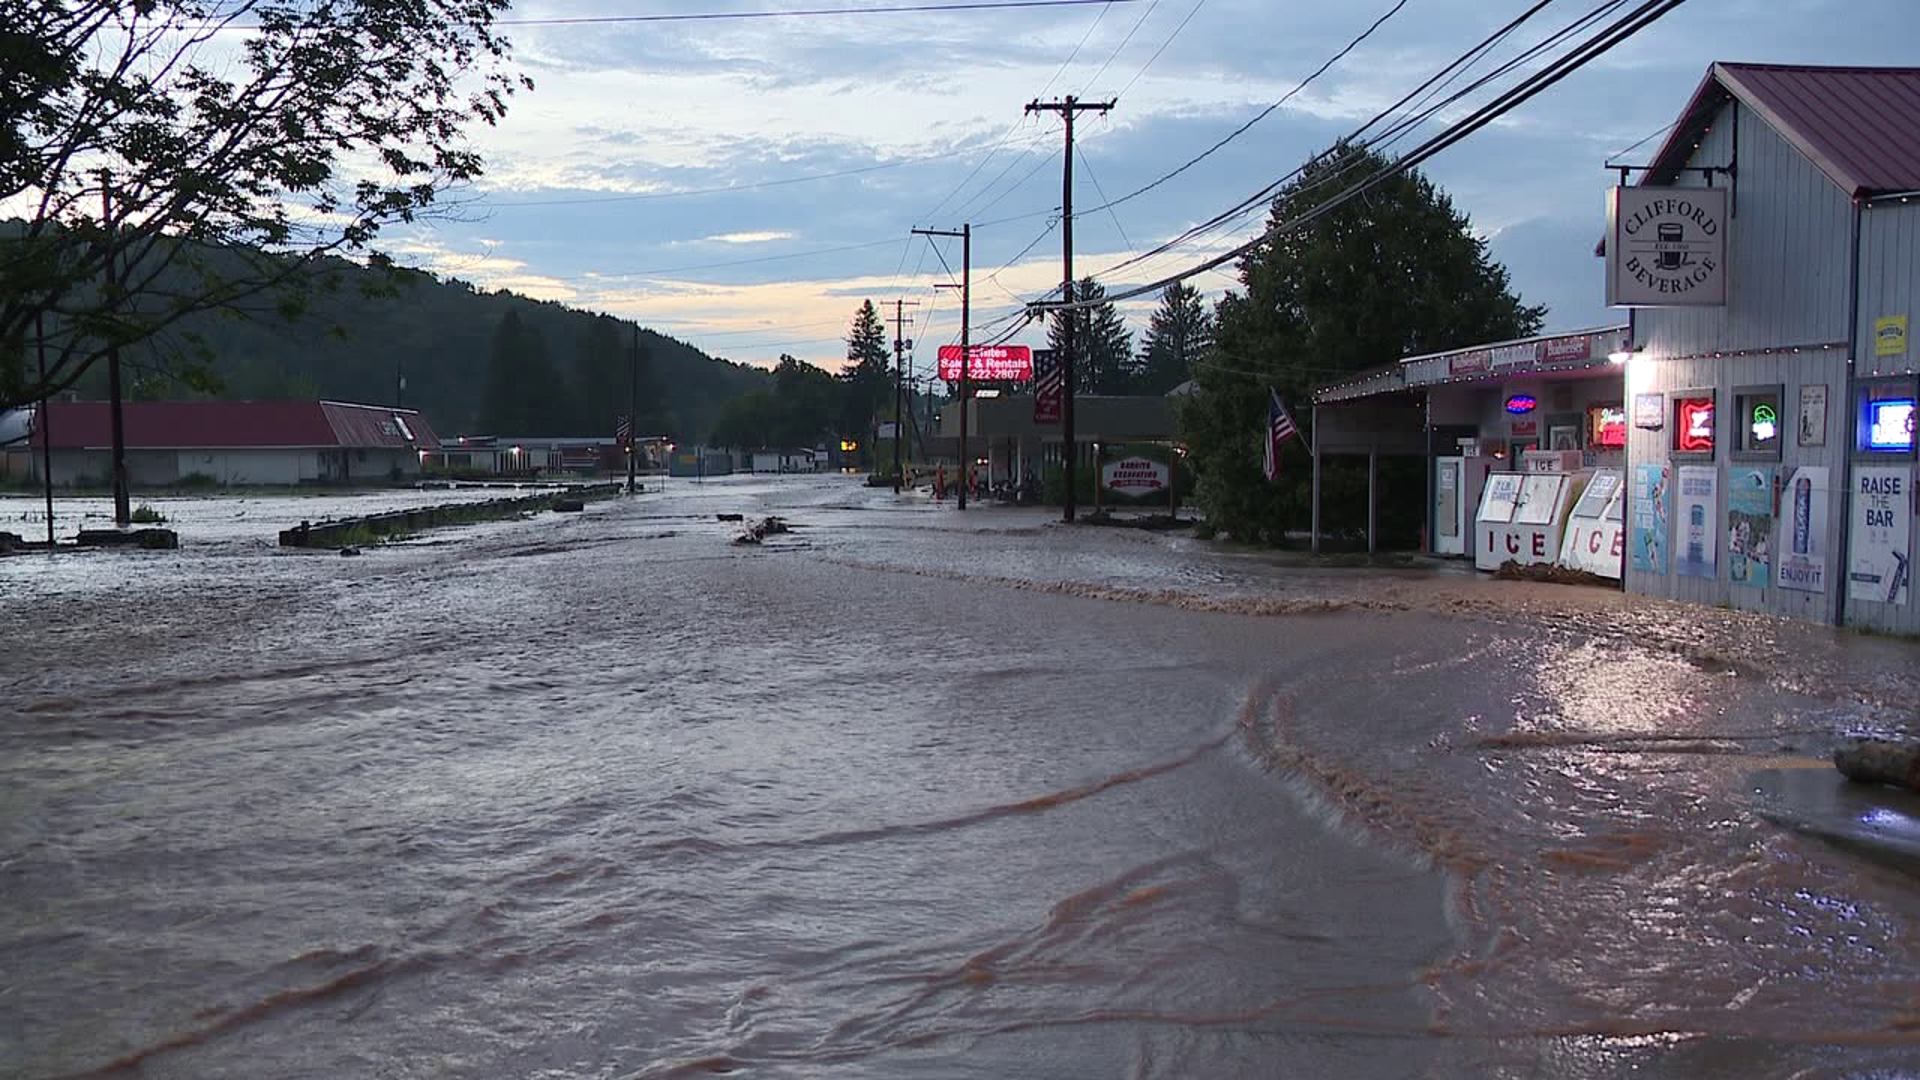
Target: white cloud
749, 237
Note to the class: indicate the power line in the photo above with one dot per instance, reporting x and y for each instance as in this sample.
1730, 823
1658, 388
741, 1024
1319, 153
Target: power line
1263, 114
1197, 5
1117, 49
1578, 57
796, 13
1076, 51
1406, 125
1103, 194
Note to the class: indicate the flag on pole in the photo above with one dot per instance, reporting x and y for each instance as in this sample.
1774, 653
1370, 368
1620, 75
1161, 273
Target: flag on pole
623, 430
1280, 428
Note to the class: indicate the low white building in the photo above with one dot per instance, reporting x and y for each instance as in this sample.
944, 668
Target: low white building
232, 442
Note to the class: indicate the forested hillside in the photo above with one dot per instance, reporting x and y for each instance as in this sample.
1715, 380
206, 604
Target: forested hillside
557, 371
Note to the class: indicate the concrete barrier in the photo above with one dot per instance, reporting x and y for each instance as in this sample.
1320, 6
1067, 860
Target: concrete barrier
371, 528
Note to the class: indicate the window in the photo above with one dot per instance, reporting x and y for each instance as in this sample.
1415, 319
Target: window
1607, 426
1759, 423
1887, 417
1693, 424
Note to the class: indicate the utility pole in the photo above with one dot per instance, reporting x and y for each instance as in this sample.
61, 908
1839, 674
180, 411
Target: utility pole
1067, 108
966, 346
900, 345
633, 411
122, 510
46, 423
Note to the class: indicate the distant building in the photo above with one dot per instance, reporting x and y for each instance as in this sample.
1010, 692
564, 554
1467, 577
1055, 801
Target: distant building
513, 455
234, 442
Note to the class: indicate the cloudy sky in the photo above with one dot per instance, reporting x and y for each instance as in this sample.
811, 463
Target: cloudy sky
743, 185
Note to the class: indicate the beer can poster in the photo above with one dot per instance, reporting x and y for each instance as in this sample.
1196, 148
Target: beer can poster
1750, 526
1880, 564
1801, 562
1650, 501
1697, 547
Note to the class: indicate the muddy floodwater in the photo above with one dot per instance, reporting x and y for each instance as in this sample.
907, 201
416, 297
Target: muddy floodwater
913, 793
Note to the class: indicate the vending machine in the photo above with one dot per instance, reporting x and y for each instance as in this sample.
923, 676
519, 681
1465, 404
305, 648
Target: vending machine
1457, 484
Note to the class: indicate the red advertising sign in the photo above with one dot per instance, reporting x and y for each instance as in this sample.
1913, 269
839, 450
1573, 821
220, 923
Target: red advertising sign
988, 363
1568, 349
1693, 427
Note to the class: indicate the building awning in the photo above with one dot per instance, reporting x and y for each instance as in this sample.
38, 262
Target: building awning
1544, 355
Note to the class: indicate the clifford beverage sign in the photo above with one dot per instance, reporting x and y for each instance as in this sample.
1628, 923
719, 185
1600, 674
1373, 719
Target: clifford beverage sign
1667, 247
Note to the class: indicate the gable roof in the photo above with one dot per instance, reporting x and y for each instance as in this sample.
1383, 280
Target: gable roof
233, 425
1858, 125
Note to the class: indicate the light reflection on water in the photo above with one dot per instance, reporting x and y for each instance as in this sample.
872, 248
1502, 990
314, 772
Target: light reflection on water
911, 795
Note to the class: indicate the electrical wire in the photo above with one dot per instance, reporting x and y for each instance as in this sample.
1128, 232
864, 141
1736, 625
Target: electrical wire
1638, 19
1400, 129
1197, 5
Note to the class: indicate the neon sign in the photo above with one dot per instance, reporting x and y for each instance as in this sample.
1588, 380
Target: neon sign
1890, 424
1607, 426
1521, 404
1764, 424
1694, 431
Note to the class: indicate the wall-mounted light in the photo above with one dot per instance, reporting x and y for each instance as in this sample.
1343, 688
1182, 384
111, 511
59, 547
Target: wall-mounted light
1621, 356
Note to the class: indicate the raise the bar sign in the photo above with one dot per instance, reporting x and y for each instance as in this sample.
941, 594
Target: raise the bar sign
988, 363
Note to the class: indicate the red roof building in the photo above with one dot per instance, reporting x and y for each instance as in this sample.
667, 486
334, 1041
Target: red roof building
232, 425
235, 442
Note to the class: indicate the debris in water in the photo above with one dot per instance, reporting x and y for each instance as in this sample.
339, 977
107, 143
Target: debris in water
1880, 761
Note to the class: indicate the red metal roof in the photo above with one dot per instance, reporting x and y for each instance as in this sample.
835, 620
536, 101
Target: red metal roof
373, 426
195, 425
1859, 125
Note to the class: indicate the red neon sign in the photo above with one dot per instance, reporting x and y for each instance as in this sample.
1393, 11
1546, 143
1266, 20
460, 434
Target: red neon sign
1607, 426
1693, 431
988, 362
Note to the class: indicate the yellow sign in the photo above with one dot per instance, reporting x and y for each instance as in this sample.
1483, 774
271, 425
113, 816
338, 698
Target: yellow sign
1890, 336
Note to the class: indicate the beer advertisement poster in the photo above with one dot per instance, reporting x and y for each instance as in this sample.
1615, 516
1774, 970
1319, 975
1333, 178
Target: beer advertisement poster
1650, 502
1750, 526
1880, 563
1697, 547
1801, 562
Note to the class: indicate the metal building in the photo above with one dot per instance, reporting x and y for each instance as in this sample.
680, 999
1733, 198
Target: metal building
1770, 253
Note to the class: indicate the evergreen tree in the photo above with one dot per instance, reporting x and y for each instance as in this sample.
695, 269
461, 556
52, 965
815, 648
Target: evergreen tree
1396, 273
1102, 344
866, 382
1180, 333
524, 394
605, 370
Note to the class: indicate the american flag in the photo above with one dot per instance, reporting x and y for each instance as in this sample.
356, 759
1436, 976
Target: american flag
623, 429
1280, 428
1049, 386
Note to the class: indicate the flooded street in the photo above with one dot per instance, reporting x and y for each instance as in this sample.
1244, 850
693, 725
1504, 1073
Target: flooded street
912, 793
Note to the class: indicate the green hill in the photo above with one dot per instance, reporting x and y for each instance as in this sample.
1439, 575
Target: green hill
566, 372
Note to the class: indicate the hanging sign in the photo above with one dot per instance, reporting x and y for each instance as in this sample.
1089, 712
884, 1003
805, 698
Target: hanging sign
1698, 547
1802, 563
1667, 247
1750, 526
1650, 501
1049, 387
1880, 562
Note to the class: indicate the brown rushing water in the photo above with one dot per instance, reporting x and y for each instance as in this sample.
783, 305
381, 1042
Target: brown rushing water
913, 793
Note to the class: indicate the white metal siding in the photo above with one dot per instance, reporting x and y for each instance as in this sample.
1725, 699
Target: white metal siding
1889, 285
1789, 248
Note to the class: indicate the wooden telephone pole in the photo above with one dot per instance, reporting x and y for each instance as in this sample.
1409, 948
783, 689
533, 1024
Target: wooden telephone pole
966, 315
900, 346
1068, 107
